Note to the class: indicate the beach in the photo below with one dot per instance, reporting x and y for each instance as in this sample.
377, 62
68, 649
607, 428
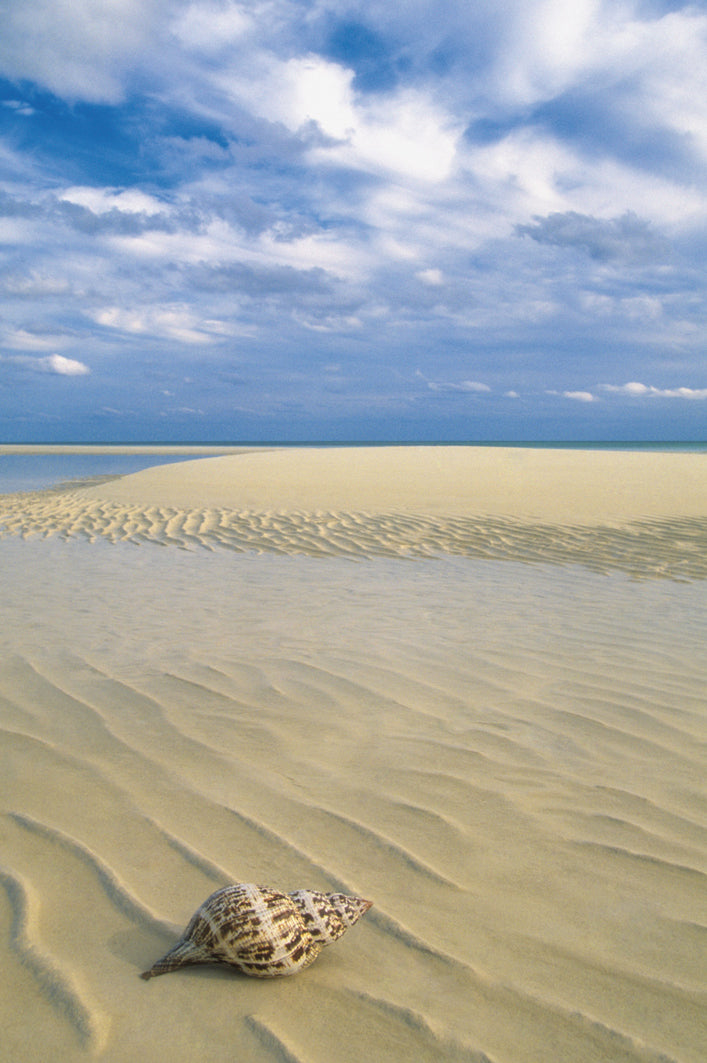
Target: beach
465, 683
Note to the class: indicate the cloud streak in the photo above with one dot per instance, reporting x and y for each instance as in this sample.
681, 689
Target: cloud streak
641, 391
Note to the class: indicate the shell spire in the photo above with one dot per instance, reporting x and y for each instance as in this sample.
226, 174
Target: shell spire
261, 931
328, 915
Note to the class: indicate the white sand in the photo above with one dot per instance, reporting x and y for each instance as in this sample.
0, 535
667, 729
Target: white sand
555, 486
509, 759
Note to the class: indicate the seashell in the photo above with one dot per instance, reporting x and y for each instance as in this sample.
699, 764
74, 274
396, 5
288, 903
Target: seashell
328, 915
261, 931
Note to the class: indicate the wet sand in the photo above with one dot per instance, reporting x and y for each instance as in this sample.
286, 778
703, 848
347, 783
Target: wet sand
487, 724
643, 514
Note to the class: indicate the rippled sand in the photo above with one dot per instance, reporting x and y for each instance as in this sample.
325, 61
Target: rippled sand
509, 759
642, 514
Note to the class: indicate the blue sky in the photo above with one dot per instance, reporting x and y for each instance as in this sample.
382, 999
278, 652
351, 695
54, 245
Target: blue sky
305, 219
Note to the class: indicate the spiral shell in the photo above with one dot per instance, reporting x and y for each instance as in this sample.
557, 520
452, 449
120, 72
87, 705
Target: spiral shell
328, 915
261, 931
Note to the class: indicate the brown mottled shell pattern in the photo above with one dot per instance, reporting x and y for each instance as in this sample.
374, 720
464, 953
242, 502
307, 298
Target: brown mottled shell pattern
261, 931
328, 915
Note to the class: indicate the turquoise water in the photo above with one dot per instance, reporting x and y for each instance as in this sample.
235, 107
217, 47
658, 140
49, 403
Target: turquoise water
35, 472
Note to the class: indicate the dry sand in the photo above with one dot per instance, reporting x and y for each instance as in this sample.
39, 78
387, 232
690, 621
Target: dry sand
643, 513
553, 486
509, 759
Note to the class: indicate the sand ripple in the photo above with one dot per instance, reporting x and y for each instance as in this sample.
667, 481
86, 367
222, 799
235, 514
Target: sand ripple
656, 548
509, 761
54, 981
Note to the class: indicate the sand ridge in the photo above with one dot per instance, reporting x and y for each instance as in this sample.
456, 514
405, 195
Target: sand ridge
549, 486
642, 514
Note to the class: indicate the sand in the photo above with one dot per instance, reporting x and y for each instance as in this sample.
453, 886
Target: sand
506, 751
642, 513
555, 486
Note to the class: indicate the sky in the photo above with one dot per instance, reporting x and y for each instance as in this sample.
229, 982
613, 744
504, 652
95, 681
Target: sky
321, 220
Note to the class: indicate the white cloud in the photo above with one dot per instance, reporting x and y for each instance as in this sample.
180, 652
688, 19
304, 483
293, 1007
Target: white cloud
27, 340
473, 385
188, 411
526, 172
655, 65
172, 322
52, 363
532, 172
56, 363
220, 243
211, 27
19, 107
433, 277
78, 49
36, 284
633, 388
670, 53
579, 396
548, 44
637, 390
296, 92
642, 307
327, 322
408, 134
103, 200
314, 90
443, 385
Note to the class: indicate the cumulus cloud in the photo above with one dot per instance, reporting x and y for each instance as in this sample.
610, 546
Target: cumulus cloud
638, 391
576, 396
409, 134
56, 363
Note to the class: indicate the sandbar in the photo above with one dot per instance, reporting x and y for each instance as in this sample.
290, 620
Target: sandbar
552, 486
